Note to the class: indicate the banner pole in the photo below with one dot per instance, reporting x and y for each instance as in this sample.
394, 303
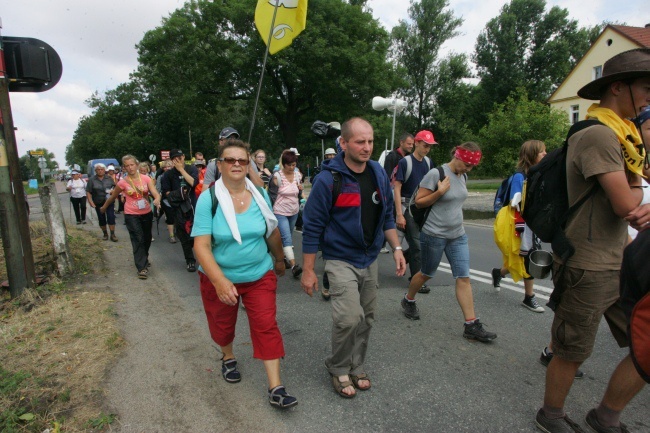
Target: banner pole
266, 55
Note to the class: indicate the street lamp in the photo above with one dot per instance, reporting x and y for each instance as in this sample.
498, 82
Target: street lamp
391, 104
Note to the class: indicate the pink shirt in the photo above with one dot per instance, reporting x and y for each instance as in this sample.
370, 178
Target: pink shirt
136, 193
287, 203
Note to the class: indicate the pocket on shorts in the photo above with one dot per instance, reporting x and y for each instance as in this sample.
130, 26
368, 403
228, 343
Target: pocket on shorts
575, 326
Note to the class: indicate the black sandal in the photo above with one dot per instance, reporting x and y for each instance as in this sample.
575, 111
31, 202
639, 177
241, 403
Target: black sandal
229, 371
279, 397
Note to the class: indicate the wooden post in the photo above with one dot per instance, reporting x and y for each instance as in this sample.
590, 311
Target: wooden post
58, 233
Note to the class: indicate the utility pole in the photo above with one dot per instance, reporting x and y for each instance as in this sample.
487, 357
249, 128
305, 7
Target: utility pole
14, 222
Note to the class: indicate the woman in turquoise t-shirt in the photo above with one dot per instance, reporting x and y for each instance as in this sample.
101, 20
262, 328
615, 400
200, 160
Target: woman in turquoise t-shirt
232, 248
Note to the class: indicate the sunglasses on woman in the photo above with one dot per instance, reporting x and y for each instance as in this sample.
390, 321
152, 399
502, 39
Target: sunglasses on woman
232, 161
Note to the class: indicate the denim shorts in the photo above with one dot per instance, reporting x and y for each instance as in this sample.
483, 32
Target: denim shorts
456, 250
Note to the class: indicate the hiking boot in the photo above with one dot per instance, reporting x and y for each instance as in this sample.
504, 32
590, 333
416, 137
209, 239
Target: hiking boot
105, 236
325, 293
592, 421
475, 331
296, 270
172, 239
191, 266
83, 221
496, 278
546, 357
113, 237
280, 398
410, 310
424, 289
532, 305
559, 425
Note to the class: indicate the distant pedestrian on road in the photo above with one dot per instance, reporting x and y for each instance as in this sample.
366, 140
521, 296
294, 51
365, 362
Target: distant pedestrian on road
350, 232
77, 188
531, 153
137, 212
98, 189
443, 231
232, 238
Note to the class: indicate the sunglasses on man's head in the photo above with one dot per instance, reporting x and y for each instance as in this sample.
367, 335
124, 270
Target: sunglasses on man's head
232, 161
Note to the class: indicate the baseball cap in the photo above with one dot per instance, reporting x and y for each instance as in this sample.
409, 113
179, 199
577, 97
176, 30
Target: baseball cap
426, 136
175, 153
330, 151
74, 172
199, 162
228, 132
294, 150
110, 167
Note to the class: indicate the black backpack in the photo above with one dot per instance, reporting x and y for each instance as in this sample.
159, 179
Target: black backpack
546, 205
420, 214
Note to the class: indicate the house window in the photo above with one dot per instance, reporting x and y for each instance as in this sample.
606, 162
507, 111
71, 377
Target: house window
574, 114
598, 72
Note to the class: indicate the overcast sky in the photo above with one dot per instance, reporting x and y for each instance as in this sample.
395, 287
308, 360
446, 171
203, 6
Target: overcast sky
96, 41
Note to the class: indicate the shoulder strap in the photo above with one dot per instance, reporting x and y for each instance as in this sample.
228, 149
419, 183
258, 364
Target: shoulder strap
428, 160
409, 167
441, 171
577, 127
278, 176
336, 186
215, 201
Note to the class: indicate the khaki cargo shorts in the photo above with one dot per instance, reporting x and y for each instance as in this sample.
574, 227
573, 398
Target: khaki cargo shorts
588, 296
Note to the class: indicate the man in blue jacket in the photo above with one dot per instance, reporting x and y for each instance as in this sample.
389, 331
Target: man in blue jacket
350, 233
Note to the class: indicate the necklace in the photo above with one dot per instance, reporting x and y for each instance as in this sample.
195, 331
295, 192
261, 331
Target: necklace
240, 200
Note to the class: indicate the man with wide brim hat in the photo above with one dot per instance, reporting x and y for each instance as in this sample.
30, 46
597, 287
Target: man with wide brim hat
604, 161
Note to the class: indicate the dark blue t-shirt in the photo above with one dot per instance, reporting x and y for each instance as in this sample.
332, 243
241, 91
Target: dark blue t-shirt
418, 170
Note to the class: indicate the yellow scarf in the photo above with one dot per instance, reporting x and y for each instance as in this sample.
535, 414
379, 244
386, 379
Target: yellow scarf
627, 134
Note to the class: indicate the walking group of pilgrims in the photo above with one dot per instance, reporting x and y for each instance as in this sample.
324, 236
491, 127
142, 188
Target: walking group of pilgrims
235, 218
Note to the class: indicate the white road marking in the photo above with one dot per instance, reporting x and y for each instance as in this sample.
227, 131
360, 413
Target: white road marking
506, 283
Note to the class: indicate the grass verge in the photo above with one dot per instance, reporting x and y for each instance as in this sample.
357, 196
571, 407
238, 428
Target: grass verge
56, 343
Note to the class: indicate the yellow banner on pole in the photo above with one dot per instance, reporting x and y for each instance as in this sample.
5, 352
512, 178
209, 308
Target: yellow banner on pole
290, 20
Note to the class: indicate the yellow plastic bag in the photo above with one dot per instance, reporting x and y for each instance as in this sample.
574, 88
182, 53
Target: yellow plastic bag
508, 243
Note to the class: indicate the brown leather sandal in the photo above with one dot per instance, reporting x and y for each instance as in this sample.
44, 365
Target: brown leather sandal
340, 386
356, 378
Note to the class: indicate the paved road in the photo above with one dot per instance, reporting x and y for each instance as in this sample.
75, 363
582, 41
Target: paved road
426, 377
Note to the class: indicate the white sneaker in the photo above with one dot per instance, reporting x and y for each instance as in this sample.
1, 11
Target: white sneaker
384, 250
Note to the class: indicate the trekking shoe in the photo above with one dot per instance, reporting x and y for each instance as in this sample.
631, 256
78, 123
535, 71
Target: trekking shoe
172, 239
384, 250
496, 278
298, 229
424, 289
475, 331
296, 270
558, 425
532, 305
78, 222
113, 237
280, 398
592, 421
191, 266
229, 371
410, 310
83, 221
546, 357
105, 236
325, 293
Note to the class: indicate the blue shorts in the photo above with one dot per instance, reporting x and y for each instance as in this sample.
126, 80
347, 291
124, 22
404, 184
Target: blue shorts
456, 250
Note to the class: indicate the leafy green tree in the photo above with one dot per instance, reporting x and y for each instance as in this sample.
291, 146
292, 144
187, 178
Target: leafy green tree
202, 67
416, 43
524, 46
516, 120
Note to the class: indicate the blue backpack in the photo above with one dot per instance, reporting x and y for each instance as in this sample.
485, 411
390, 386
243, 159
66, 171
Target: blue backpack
502, 197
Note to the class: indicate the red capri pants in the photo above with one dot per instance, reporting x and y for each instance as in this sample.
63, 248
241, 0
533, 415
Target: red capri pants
259, 298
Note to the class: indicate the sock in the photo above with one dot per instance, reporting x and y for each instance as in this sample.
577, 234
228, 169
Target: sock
409, 299
553, 412
608, 417
470, 321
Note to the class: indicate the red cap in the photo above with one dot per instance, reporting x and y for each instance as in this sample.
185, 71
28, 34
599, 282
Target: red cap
426, 136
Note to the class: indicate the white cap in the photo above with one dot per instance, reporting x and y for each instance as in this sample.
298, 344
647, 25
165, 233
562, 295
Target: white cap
330, 151
110, 167
294, 150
